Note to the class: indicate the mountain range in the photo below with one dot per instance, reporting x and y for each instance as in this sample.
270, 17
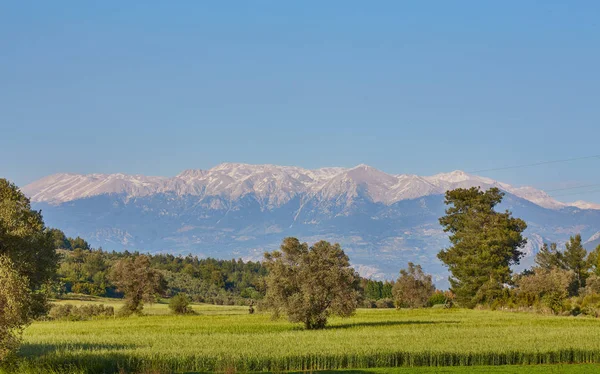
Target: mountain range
240, 210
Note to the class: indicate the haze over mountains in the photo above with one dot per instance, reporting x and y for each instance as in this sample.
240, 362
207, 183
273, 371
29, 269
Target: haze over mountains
240, 210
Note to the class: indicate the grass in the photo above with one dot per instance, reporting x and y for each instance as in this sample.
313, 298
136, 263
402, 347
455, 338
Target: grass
507, 369
227, 338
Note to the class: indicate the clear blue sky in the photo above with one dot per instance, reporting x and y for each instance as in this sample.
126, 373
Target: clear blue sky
155, 87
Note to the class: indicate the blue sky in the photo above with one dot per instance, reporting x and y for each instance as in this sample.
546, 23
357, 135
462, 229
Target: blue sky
158, 87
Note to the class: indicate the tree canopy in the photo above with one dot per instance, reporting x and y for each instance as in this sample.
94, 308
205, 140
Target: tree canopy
14, 301
413, 288
140, 283
310, 284
485, 243
26, 242
574, 259
593, 261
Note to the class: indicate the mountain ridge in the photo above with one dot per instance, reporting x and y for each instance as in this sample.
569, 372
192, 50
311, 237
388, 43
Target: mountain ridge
276, 184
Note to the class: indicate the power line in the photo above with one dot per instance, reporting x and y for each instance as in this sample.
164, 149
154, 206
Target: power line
575, 193
573, 188
551, 162
534, 164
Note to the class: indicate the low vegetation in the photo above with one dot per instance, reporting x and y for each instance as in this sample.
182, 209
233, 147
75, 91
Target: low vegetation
180, 304
80, 313
227, 338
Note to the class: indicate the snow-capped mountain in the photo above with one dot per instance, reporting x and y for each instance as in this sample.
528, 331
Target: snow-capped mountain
239, 210
275, 185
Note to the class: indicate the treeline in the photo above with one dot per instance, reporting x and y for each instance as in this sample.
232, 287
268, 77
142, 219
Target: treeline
84, 270
88, 271
377, 294
61, 241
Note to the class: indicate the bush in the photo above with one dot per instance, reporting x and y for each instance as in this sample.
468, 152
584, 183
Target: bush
438, 298
592, 285
546, 290
82, 313
180, 304
384, 303
369, 303
590, 305
88, 288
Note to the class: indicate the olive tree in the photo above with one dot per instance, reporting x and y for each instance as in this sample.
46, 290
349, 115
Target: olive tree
310, 284
14, 302
140, 283
413, 288
545, 287
25, 240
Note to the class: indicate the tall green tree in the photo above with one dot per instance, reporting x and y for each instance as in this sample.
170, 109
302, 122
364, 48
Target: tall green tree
485, 243
310, 284
25, 240
78, 242
574, 259
593, 261
387, 290
59, 239
372, 289
549, 257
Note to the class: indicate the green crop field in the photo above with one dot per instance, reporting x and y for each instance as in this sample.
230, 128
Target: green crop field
226, 338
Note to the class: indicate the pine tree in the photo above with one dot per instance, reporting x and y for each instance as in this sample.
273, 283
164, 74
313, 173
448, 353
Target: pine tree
549, 257
373, 290
574, 258
593, 261
485, 243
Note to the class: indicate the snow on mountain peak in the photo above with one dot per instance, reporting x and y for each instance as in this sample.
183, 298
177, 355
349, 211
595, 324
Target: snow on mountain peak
455, 176
584, 205
274, 185
593, 238
192, 174
536, 196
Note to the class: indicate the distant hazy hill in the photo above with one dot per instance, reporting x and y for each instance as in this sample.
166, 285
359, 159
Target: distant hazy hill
238, 210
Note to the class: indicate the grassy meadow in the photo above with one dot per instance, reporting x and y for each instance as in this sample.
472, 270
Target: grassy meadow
227, 338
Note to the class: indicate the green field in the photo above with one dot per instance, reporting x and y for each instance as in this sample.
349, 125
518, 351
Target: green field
226, 338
